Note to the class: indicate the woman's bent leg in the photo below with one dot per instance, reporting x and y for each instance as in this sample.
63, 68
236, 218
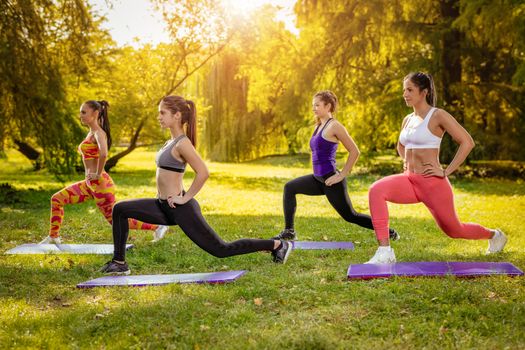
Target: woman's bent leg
146, 209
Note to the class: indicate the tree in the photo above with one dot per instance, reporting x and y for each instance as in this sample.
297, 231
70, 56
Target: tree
42, 44
198, 33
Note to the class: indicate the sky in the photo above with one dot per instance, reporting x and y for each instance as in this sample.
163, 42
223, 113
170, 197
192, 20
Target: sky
135, 22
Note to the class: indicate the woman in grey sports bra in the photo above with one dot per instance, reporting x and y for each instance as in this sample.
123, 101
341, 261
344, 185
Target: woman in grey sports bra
173, 205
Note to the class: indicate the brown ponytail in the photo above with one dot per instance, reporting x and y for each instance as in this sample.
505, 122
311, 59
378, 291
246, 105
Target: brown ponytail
327, 96
188, 112
424, 81
103, 120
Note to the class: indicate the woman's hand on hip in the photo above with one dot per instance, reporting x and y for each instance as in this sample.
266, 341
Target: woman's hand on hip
173, 201
433, 170
332, 180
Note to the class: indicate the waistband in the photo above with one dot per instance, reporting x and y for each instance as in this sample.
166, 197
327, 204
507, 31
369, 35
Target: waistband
322, 178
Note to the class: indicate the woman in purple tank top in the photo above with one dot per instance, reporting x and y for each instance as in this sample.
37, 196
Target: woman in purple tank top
326, 179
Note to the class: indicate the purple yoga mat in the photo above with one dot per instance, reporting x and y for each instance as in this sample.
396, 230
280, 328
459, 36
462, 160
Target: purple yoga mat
33, 248
157, 280
311, 245
434, 269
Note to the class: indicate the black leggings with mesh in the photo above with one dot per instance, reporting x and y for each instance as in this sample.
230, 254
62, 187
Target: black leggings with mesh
314, 186
188, 216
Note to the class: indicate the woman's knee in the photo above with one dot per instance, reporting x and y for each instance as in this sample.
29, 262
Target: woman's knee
453, 231
119, 208
377, 190
289, 188
58, 198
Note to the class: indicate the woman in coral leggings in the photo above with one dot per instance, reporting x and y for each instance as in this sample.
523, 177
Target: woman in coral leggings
424, 180
97, 184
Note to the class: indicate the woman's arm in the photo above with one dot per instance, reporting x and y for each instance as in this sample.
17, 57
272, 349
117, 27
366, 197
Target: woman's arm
339, 131
189, 153
449, 124
401, 147
458, 134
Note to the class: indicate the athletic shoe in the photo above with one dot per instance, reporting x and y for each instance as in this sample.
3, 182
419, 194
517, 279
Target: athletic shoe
393, 235
113, 268
288, 234
497, 242
383, 255
51, 240
159, 233
281, 255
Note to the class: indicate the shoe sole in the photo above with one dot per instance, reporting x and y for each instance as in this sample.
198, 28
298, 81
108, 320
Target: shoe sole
498, 251
123, 273
290, 248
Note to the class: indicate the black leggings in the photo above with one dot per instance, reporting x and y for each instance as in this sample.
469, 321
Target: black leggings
314, 186
188, 216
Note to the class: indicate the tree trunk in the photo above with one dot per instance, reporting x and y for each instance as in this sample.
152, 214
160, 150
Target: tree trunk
111, 162
30, 153
450, 70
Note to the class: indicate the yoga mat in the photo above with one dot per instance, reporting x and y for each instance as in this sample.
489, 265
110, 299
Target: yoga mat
157, 280
33, 248
434, 269
310, 245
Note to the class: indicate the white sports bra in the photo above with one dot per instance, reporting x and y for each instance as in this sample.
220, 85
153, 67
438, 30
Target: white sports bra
416, 134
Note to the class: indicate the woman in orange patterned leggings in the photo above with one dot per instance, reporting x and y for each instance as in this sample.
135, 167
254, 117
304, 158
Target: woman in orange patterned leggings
97, 185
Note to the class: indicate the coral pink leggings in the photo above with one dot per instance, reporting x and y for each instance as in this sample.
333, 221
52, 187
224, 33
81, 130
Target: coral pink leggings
434, 192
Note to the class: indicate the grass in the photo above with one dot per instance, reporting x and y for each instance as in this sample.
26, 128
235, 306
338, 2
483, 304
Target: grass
305, 304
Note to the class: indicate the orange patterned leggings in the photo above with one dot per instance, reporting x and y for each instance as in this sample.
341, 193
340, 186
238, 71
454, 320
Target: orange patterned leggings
101, 190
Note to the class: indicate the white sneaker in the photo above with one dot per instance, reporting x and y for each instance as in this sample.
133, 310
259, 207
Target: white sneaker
383, 255
497, 242
50, 240
159, 233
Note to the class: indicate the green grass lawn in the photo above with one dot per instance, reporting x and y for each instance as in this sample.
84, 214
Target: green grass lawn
305, 304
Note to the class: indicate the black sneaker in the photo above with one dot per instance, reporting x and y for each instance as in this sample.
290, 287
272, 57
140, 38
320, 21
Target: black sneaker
281, 255
394, 236
113, 268
287, 234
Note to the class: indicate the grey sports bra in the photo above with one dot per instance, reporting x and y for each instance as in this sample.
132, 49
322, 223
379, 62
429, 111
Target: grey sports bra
165, 159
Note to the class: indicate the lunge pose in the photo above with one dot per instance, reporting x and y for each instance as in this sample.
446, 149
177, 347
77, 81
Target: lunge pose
97, 184
174, 205
424, 180
326, 179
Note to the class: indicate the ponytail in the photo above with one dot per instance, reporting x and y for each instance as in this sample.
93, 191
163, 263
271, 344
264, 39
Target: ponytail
191, 129
424, 81
103, 120
188, 112
328, 97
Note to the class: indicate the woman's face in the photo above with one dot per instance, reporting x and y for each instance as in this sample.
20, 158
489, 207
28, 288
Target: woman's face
320, 108
87, 114
166, 118
411, 93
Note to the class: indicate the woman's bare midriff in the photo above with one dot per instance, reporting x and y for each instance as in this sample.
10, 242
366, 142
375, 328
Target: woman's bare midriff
169, 183
418, 159
90, 166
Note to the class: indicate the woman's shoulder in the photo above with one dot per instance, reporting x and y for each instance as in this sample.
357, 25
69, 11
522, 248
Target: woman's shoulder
98, 133
441, 114
336, 124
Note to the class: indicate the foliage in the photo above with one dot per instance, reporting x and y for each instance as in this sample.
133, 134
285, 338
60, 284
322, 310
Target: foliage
253, 79
44, 47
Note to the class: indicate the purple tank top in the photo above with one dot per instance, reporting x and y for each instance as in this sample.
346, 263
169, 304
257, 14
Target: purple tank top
323, 152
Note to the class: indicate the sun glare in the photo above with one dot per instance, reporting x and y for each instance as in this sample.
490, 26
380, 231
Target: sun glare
245, 7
